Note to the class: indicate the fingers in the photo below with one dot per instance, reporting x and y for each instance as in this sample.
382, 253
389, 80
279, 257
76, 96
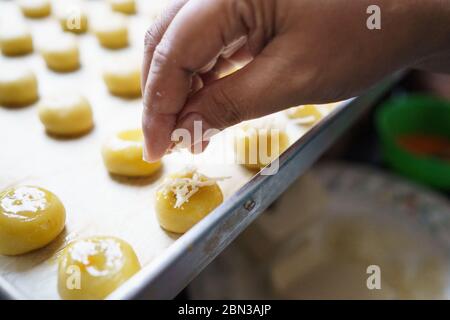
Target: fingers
152, 38
154, 35
194, 40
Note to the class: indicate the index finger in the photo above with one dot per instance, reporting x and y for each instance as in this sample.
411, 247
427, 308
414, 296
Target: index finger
155, 33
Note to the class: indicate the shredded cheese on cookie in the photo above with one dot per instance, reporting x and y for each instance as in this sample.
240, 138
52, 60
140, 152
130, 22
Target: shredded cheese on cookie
184, 188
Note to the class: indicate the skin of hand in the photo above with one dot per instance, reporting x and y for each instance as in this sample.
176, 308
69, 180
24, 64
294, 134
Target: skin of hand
294, 52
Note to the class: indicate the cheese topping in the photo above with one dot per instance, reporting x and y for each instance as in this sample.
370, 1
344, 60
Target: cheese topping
186, 184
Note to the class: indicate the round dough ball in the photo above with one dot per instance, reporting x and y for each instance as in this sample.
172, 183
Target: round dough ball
257, 147
112, 31
123, 78
35, 8
61, 54
16, 41
122, 155
306, 115
18, 86
178, 214
102, 265
123, 6
66, 114
74, 20
30, 218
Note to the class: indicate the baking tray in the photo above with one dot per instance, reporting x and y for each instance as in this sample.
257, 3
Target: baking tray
99, 204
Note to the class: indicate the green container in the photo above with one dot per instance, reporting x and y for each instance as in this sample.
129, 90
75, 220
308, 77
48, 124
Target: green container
415, 114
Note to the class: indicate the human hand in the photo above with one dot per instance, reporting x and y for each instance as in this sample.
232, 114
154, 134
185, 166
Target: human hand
295, 51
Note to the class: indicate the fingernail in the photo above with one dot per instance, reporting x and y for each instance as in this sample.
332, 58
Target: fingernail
156, 129
145, 155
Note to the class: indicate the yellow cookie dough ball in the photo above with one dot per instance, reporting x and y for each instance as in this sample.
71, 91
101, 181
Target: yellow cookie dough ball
66, 114
35, 8
123, 6
61, 54
92, 268
307, 114
257, 147
122, 155
123, 78
74, 20
18, 86
16, 41
186, 198
112, 31
30, 218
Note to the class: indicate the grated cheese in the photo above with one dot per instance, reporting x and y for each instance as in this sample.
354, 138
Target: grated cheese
184, 188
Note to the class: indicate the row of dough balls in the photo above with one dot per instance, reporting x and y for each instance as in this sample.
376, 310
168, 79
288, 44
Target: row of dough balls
111, 32
61, 53
255, 146
32, 217
36, 9
65, 113
123, 152
62, 114
182, 200
121, 75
